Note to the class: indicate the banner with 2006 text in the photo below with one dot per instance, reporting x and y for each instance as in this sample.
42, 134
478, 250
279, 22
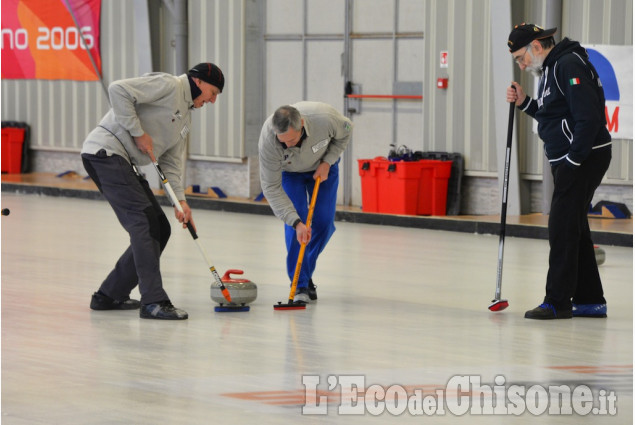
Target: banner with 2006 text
50, 39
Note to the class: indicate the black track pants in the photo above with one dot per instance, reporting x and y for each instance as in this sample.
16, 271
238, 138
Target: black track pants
573, 271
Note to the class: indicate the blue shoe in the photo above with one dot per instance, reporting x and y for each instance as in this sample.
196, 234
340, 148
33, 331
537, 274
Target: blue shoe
589, 310
163, 310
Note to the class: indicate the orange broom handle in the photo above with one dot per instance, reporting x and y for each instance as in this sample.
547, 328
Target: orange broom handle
309, 218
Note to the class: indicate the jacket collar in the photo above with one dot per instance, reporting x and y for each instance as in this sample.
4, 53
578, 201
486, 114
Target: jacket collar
187, 92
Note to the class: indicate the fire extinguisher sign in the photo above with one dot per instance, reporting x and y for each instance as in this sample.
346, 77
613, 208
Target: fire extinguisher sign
443, 60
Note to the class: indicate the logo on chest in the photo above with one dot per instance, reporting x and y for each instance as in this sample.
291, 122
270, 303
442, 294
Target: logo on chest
545, 93
320, 145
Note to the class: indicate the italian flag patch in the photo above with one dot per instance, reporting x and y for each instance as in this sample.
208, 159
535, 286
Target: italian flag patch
574, 81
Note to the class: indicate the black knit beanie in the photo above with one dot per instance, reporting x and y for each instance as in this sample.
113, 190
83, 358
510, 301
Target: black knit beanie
209, 73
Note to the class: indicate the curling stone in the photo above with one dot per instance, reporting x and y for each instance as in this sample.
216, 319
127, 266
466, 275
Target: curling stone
242, 291
600, 255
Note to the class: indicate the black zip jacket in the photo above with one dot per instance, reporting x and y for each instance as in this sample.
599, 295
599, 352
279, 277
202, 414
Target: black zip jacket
570, 108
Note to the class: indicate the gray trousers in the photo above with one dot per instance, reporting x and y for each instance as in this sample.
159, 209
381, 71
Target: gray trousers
141, 216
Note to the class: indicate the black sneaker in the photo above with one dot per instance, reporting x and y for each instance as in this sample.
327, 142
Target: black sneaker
301, 295
312, 290
163, 310
100, 301
548, 312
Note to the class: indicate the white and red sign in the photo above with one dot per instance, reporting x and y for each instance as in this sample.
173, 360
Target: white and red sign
443, 61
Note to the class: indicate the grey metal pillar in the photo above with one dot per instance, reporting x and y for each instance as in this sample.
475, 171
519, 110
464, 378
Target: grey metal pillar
503, 72
142, 35
180, 37
255, 65
178, 10
144, 49
347, 163
553, 19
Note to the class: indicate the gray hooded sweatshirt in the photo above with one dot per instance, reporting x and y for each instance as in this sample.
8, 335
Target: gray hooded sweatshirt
158, 104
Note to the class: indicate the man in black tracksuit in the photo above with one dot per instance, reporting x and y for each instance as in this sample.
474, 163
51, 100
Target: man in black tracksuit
570, 110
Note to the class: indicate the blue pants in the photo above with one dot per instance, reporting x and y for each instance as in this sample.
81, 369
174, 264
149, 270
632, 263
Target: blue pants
299, 188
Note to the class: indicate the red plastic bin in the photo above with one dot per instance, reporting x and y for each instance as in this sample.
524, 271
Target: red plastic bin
368, 173
12, 146
404, 187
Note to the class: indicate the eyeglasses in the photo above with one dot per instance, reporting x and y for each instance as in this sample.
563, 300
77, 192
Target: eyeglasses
519, 59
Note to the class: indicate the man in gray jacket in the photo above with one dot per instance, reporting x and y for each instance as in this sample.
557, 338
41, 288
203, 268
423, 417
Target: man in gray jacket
299, 143
149, 117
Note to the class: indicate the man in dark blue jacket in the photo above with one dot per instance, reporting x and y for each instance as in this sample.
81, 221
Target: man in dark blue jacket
570, 110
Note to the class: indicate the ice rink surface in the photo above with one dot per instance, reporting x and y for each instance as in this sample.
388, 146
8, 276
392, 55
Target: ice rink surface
401, 312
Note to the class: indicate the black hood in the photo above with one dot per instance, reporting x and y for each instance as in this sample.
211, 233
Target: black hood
562, 48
